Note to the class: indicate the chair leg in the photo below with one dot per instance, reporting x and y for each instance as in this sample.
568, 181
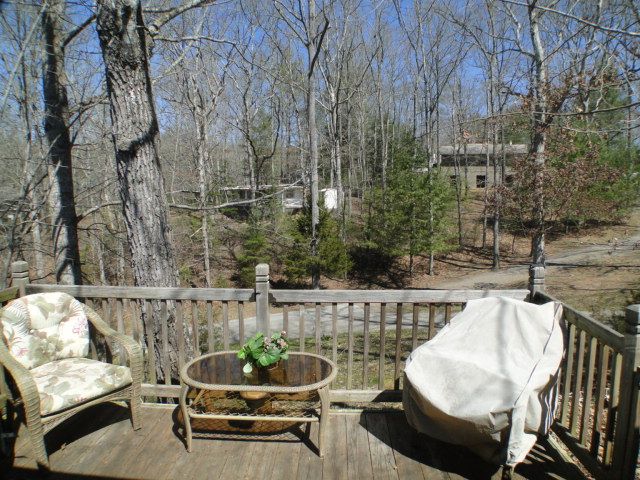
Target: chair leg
36, 436
134, 406
507, 472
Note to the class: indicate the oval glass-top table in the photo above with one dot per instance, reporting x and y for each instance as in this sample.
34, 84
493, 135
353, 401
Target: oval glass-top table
296, 390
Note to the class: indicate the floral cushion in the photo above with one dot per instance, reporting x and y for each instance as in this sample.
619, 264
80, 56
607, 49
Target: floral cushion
65, 383
44, 327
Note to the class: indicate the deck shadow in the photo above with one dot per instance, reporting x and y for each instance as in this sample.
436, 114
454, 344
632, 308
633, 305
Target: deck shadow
542, 462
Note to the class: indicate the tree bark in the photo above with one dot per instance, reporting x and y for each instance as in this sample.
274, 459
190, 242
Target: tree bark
56, 128
122, 35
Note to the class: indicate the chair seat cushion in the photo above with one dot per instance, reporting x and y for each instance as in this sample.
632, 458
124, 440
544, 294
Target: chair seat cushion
71, 381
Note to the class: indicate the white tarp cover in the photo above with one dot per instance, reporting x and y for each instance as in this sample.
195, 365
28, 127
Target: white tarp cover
487, 380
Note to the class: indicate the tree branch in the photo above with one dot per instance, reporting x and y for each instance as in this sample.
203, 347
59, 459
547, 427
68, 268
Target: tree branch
576, 18
168, 15
76, 31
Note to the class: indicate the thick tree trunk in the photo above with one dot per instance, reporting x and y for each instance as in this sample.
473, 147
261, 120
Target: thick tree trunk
56, 128
135, 130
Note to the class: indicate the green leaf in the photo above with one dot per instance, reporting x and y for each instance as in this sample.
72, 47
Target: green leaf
284, 356
263, 360
242, 354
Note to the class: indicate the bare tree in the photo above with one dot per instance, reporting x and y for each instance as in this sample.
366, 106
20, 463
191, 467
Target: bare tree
302, 21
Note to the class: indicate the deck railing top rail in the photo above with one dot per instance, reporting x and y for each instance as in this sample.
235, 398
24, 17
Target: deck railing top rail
389, 296
148, 293
596, 329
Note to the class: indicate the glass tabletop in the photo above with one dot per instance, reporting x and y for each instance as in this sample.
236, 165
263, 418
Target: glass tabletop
225, 368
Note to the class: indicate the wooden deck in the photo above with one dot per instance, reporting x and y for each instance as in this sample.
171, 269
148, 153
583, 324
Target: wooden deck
100, 444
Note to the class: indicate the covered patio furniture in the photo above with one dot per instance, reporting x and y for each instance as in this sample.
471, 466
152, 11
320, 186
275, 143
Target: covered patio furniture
488, 380
45, 348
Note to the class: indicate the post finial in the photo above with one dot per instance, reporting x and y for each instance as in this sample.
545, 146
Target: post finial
20, 275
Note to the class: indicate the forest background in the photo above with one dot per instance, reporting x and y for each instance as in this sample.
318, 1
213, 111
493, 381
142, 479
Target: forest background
124, 124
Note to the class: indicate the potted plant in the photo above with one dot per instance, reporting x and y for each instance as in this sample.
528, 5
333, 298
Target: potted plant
261, 351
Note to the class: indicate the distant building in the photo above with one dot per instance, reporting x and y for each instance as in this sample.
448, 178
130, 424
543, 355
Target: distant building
474, 157
291, 196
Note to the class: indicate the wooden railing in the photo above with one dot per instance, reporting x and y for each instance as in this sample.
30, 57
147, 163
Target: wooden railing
597, 412
368, 333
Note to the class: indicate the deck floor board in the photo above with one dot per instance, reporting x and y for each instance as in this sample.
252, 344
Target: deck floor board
100, 444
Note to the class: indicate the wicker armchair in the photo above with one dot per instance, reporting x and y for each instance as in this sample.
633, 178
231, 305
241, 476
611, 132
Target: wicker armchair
45, 353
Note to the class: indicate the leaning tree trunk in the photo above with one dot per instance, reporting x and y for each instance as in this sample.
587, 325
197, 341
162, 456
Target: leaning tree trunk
56, 128
122, 33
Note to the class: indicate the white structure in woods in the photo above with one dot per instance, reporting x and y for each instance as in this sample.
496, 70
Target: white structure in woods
291, 196
330, 196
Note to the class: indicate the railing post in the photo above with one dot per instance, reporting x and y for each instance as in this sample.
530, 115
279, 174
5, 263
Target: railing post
624, 459
263, 316
20, 275
536, 279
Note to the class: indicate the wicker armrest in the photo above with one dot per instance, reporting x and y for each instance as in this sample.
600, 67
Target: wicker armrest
134, 352
21, 377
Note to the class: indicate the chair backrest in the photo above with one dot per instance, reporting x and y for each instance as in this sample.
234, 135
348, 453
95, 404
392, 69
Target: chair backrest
44, 327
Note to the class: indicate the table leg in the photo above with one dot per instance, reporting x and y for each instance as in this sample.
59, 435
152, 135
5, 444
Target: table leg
186, 419
325, 403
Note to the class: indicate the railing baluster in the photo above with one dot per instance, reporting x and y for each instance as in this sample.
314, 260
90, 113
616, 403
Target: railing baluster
350, 348
225, 324
151, 343
577, 384
301, 321
414, 326
211, 338
334, 332
398, 352
106, 312
568, 373
614, 399
447, 313
601, 389
365, 348
383, 321
166, 367
241, 322
285, 318
318, 328
136, 320
432, 320
180, 332
588, 390
195, 324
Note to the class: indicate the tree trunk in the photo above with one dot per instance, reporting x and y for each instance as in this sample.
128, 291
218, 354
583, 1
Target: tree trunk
121, 31
200, 118
313, 148
539, 139
56, 128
